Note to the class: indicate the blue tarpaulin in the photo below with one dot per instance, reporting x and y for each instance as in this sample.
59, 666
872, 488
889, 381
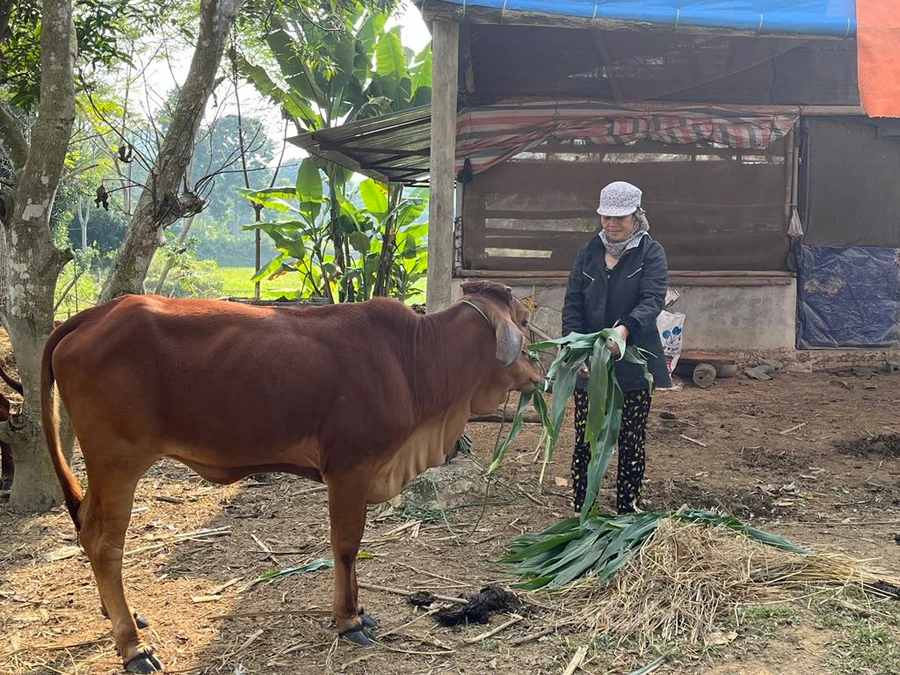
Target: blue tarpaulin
836, 18
849, 297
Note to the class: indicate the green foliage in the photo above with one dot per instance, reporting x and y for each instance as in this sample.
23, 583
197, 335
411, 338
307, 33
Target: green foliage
187, 277
79, 283
600, 544
304, 241
106, 229
330, 74
236, 282
312, 566
216, 242
322, 71
104, 29
768, 619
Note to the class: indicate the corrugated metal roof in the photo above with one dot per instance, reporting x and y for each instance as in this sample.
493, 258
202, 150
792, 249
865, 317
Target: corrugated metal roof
829, 18
394, 148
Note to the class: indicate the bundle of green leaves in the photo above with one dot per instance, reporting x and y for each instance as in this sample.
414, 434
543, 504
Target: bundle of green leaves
595, 544
600, 544
605, 399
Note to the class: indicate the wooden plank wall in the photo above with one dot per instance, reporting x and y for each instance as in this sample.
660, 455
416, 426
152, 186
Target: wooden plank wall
712, 209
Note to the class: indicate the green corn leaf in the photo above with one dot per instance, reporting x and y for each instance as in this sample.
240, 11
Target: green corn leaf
575, 550
732, 523
634, 355
598, 382
515, 427
603, 543
312, 566
543, 546
650, 667
602, 448
604, 395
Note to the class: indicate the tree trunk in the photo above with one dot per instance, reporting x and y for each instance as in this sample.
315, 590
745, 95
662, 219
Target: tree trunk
160, 205
12, 139
31, 262
337, 238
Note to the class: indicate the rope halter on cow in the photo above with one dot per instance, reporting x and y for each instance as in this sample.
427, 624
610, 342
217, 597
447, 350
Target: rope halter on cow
480, 311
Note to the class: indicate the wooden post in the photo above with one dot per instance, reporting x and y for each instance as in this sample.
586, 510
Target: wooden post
789, 177
445, 77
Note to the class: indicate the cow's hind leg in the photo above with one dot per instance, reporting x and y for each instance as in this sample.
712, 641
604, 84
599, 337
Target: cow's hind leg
105, 514
138, 619
347, 508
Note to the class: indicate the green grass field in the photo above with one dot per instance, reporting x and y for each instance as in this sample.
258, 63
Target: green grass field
236, 283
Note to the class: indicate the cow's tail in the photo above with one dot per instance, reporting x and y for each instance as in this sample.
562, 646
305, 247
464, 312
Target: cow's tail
13, 383
71, 489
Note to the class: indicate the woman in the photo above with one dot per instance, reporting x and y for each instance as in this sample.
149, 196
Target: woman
619, 281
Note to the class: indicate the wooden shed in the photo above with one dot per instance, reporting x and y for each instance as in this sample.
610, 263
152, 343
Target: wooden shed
770, 188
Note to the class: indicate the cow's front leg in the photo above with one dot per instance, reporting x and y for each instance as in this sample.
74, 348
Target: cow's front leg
347, 508
367, 620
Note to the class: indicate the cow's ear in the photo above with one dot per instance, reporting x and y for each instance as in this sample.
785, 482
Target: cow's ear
509, 342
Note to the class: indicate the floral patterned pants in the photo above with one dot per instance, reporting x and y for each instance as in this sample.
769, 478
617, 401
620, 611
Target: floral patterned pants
632, 435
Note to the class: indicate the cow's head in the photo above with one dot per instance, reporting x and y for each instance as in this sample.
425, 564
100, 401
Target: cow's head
517, 370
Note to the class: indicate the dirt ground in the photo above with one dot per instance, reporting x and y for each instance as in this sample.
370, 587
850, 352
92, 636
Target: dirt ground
811, 456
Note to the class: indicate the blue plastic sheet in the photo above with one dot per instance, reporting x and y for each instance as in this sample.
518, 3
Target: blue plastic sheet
849, 297
836, 18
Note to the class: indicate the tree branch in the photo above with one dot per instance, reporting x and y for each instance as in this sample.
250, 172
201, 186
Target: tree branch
157, 206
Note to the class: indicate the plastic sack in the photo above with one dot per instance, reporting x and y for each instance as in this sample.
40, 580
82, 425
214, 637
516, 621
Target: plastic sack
671, 327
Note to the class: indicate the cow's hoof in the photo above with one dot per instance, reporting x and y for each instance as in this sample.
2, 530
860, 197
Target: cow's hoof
368, 621
144, 663
5, 484
358, 636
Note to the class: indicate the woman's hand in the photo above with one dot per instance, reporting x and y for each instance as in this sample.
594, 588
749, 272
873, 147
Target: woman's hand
613, 346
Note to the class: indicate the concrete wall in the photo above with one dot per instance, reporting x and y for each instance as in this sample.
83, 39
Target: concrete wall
717, 317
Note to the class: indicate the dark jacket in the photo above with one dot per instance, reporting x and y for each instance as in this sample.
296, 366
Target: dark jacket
634, 295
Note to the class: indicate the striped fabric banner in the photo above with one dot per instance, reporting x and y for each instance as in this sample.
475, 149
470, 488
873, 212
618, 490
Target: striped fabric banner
491, 134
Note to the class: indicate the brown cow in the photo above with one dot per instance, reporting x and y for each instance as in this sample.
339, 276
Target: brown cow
360, 397
7, 465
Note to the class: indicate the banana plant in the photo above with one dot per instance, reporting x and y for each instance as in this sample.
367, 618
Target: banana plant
331, 77
301, 234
